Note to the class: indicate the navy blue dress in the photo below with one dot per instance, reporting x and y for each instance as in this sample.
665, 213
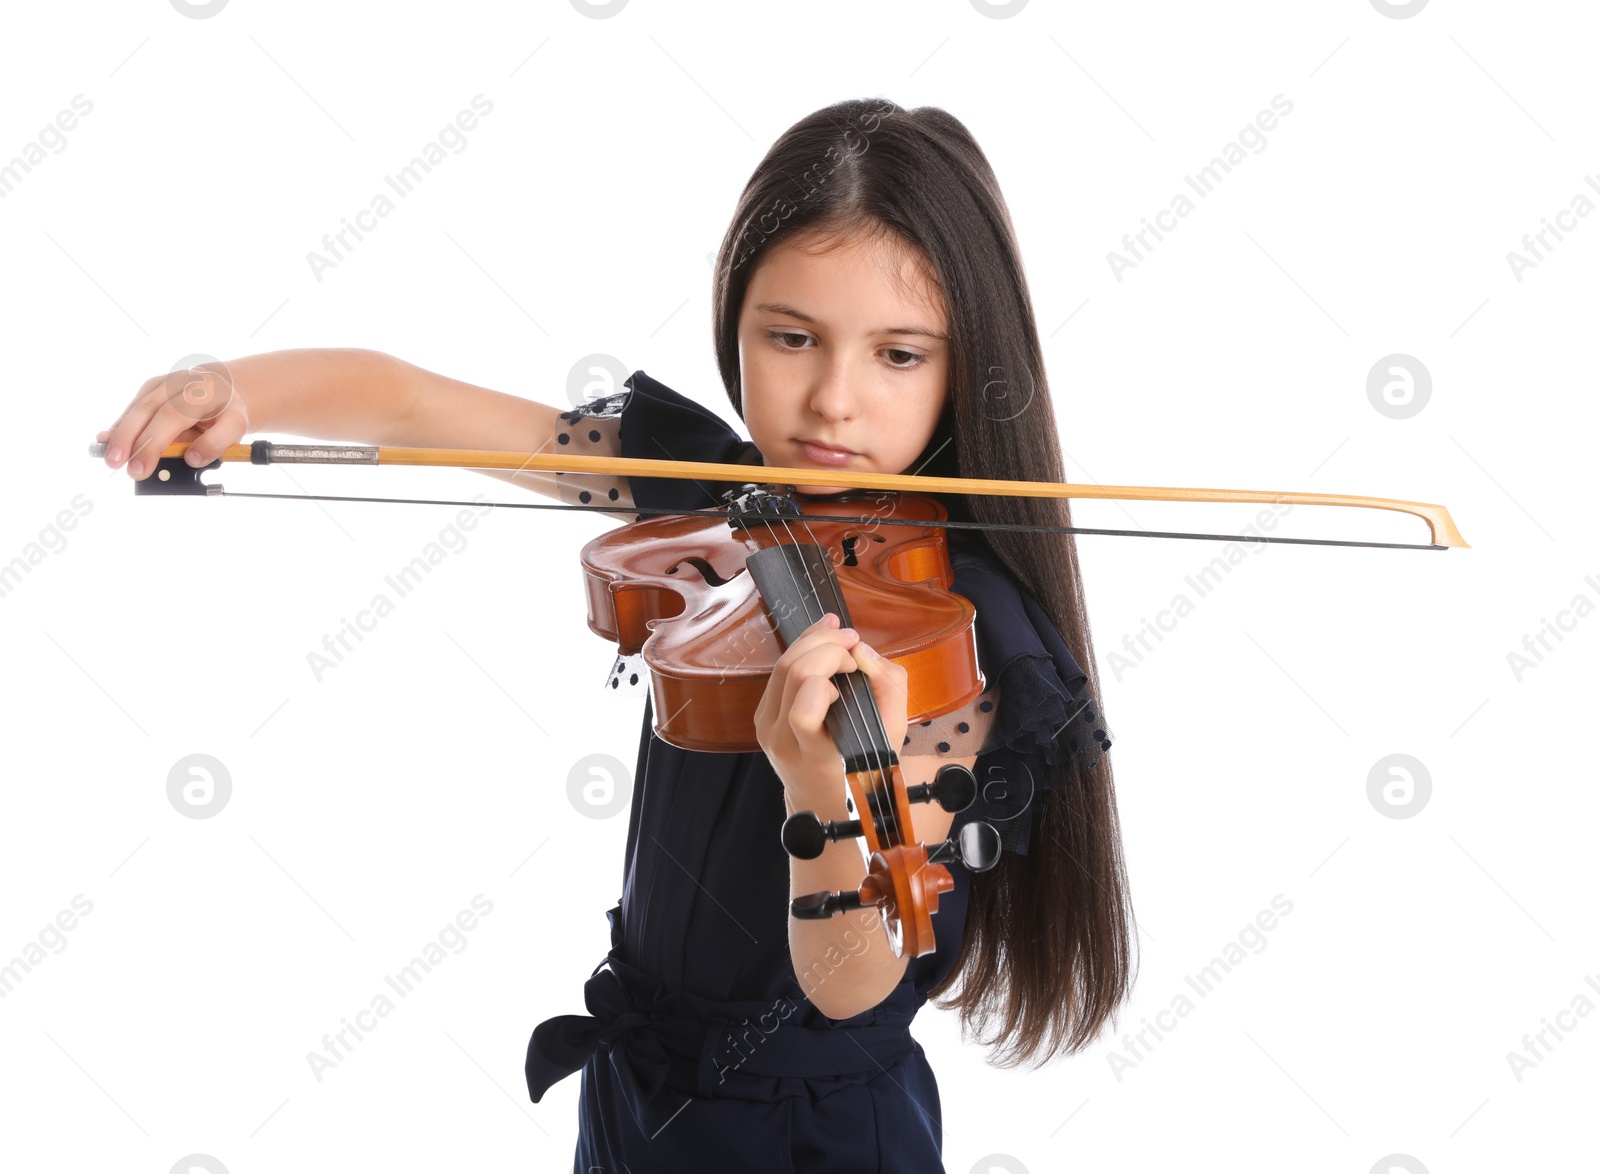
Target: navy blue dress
700, 1050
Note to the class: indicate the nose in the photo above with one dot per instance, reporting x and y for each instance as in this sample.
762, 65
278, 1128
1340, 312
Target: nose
832, 395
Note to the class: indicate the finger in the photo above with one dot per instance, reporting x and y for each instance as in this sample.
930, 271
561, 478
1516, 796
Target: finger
821, 660
164, 427
824, 659
160, 430
824, 631
122, 434
807, 714
866, 656
889, 683
777, 681
184, 399
874, 664
890, 686
782, 687
227, 429
828, 623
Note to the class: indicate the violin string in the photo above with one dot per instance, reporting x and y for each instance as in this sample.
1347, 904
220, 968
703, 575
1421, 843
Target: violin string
860, 722
857, 699
857, 720
795, 584
795, 549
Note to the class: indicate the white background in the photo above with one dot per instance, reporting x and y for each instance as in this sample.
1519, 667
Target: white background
369, 807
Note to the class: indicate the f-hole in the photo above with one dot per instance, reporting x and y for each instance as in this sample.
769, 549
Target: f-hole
849, 544
707, 571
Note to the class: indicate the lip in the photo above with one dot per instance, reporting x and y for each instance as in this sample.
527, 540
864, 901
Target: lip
829, 447
825, 454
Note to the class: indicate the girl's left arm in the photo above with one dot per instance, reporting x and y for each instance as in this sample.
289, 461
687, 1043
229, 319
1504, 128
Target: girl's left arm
845, 964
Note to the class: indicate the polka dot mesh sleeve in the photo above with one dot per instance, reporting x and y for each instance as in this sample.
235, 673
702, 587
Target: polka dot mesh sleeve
961, 733
593, 429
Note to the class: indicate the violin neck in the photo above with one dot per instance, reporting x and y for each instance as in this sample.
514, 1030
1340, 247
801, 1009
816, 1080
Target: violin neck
798, 586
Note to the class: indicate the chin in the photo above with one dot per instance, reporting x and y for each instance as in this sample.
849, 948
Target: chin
804, 462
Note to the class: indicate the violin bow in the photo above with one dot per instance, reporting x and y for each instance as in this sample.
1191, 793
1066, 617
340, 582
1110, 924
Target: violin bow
174, 476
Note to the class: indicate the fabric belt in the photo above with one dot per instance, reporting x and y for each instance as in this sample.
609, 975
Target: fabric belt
667, 1045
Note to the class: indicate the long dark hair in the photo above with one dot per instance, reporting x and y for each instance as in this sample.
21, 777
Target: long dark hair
1045, 959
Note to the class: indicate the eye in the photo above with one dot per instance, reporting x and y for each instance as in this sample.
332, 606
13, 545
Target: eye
905, 360
778, 338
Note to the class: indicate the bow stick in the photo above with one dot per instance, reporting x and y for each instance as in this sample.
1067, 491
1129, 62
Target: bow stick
174, 476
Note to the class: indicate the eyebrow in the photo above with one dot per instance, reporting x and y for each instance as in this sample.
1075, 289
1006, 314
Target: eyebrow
781, 308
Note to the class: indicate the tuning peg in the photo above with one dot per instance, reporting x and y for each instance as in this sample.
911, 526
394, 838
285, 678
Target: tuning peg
976, 845
954, 787
821, 906
805, 836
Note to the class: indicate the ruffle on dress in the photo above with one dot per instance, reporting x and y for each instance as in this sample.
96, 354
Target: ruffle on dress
1047, 715
594, 429
651, 421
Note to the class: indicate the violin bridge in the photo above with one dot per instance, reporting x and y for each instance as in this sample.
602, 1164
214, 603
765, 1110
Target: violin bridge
751, 503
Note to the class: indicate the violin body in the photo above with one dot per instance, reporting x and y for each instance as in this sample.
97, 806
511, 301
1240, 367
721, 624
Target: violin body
678, 588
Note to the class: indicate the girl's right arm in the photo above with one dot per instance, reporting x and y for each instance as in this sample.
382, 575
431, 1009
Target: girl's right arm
353, 395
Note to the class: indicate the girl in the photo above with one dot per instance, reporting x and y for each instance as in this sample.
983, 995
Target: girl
871, 315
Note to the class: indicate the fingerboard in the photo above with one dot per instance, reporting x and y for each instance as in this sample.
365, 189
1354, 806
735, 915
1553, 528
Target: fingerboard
798, 586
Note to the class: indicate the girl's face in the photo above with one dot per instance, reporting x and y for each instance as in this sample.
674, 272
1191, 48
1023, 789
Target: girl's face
843, 343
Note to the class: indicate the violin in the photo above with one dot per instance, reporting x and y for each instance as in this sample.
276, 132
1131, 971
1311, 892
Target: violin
675, 587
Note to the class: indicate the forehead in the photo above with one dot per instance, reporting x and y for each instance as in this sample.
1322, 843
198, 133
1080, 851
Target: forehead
837, 281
